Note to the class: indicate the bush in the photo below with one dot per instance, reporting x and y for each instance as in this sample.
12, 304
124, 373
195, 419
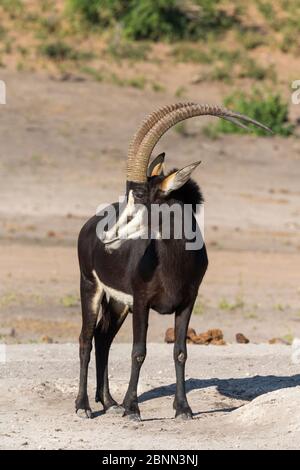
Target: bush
58, 50
153, 20
99, 12
268, 108
159, 19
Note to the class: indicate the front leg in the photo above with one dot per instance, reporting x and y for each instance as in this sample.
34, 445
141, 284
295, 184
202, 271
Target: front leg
182, 318
140, 326
91, 296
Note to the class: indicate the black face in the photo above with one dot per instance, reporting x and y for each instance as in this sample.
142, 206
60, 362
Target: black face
133, 221
140, 191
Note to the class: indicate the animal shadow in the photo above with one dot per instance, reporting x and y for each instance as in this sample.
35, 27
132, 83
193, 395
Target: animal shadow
242, 388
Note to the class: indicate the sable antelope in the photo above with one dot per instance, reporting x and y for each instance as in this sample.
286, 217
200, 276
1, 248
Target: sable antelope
137, 273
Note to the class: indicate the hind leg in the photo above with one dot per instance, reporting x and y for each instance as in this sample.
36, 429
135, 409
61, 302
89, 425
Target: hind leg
113, 316
91, 295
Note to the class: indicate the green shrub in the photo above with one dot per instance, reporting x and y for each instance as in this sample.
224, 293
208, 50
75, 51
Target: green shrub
267, 107
158, 87
185, 53
154, 20
59, 50
251, 38
99, 12
69, 301
159, 19
251, 69
268, 12
13, 7
136, 82
220, 73
50, 24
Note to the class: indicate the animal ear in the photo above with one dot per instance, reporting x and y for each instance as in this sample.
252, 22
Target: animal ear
178, 178
156, 168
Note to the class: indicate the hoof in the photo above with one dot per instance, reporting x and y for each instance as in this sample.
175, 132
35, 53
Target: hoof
85, 414
133, 417
184, 416
115, 410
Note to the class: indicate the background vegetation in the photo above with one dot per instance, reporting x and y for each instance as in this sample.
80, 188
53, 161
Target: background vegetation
237, 44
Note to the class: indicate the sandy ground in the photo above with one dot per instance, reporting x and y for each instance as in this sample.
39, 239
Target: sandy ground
243, 396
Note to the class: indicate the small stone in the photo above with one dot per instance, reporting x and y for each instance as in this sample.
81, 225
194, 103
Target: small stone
191, 333
218, 342
278, 341
46, 339
170, 335
51, 234
240, 338
216, 334
202, 338
213, 336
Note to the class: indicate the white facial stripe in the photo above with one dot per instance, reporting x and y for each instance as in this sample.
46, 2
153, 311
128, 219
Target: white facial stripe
139, 234
134, 225
130, 199
127, 212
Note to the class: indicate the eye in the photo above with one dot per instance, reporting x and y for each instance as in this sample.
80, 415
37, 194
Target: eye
139, 198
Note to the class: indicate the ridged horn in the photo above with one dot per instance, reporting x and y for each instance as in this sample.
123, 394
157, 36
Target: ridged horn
137, 166
146, 125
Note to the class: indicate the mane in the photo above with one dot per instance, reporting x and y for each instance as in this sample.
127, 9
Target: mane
189, 193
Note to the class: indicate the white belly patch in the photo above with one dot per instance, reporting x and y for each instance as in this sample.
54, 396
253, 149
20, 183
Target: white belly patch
120, 296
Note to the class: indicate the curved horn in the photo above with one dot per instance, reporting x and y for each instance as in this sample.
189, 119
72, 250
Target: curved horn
137, 168
146, 125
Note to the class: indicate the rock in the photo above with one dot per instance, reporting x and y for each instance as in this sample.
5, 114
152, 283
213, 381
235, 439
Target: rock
170, 335
240, 338
218, 342
51, 234
46, 339
203, 338
278, 341
191, 333
214, 336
